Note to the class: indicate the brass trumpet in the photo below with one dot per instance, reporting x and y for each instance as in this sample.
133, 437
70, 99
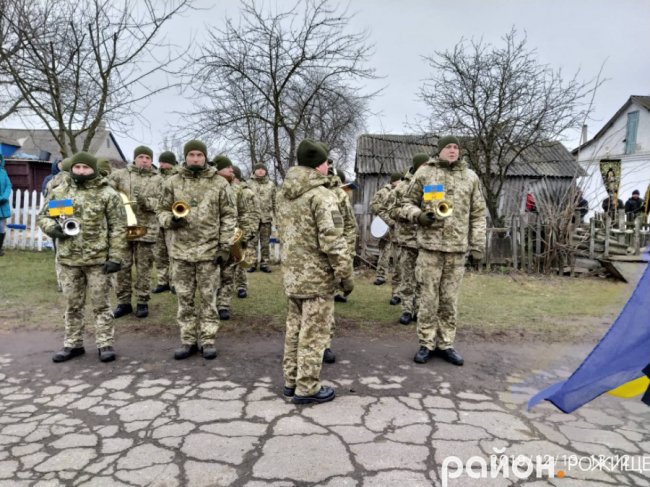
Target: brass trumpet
238, 255
443, 209
180, 209
71, 226
133, 230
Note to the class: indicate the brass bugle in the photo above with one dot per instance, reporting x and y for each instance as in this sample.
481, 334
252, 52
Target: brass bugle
237, 253
133, 230
180, 209
71, 226
443, 209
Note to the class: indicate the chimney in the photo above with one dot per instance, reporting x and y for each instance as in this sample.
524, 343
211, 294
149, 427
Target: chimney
583, 136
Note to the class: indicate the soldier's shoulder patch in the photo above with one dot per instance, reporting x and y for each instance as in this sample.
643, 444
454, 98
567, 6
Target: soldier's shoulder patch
337, 219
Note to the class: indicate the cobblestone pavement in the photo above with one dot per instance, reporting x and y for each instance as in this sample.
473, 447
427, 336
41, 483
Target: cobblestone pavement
147, 420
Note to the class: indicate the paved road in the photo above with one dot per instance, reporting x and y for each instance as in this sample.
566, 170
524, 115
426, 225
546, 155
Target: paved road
147, 420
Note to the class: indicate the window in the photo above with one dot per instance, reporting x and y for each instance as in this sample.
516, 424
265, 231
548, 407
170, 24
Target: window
630, 135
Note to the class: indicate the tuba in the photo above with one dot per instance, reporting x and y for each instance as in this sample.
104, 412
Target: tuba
238, 255
443, 209
133, 230
180, 209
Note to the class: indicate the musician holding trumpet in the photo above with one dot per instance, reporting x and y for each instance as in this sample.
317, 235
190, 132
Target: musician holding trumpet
198, 209
87, 218
444, 198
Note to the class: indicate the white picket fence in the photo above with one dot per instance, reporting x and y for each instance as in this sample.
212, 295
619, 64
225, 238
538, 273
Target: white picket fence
23, 212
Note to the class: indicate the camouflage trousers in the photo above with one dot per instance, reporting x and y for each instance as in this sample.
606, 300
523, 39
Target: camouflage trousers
241, 278
387, 260
77, 281
140, 254
306, 336
263, 236
190, 277
161, 255
332, 329
408, 289
226, 286
439, 275
57, 267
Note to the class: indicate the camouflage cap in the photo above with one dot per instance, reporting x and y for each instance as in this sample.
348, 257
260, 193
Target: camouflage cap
84, 158
169, 157
311, 153
221, 162
195, 145
446, 140
142, 149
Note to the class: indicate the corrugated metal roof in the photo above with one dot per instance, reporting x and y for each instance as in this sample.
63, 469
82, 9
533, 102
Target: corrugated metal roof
385, 154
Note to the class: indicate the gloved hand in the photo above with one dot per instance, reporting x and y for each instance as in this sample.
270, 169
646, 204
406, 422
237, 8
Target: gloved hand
347, 285
178, 222
110, 267
221, 257
477, 255
57, 232
426, 218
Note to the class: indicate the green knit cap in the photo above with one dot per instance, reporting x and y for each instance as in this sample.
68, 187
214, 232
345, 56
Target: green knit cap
195, 145
104, 166
237, 172
221, 162
311, 153
259, 165
419, 159
84, 158
341, 175
67, 164
446, 140
142, 149
168, 156
325, 147
396, 176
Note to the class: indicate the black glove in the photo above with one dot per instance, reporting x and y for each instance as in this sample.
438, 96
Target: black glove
178, 222
347, 285
57, 232
426, 218
221, 257
110, 267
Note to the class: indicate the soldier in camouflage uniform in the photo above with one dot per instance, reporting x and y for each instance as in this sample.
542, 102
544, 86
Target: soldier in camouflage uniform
61, 178
87, 257
443, 244
248, 220
141, 183
265, 191
199, 243
315, 263
405, 237
167, 168
386, 250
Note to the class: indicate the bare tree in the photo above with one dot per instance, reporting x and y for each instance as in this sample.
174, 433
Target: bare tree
502, 101
80, 64
262, 81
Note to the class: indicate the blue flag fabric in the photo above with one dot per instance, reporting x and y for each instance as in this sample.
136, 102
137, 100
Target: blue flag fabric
619, 357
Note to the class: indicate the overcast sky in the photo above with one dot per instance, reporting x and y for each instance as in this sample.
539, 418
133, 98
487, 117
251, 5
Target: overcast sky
568, 34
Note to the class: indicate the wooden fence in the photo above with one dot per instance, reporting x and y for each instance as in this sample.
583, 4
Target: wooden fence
22, 231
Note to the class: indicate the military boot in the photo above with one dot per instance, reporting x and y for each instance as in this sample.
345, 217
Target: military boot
450, 355
379, 281
2, 241
106, 354
160, 288
395, 300
122, 310
142, 310
325, 394
423, 355
241, 293
252, 268
328, 356
406, 318
339, 298
224, 314
66, 353
265, 268
209, 351
289, 391
185, 351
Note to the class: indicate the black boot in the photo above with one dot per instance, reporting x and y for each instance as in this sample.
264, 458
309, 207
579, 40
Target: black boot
289, 391
106, 354
2, 241
265, 268
328, 356
209, 351
252, 268
450, 355
339, 298
395, 300
379, 281
325, 394
241, 293
224, 314
185, 351
122, 310
423, 355
142, 310
405, 319
160, 288
66, 353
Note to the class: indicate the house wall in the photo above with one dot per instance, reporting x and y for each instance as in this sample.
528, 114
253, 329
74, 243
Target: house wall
107, 149
635, 167
27, 175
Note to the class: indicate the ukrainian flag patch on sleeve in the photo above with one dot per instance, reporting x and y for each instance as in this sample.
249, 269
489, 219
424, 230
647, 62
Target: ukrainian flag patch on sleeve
60, 207
434, 192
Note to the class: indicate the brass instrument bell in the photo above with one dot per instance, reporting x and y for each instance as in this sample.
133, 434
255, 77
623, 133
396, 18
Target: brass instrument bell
180, 209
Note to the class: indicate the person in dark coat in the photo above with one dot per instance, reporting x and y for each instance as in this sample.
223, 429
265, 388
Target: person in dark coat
56, 169
610, 208
634, 205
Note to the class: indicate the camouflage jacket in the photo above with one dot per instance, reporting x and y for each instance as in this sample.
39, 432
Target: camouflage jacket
350, 228
167, 173
465, 229
265, 191
210, 224
62, 177
143, 189
315, 255
248, 210
102, 223
378, 204
405, 232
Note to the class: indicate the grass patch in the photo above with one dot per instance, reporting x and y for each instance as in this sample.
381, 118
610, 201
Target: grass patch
491, 305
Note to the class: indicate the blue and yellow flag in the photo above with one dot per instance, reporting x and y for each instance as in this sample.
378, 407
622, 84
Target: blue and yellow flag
60, 207
434, 192
619, 364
